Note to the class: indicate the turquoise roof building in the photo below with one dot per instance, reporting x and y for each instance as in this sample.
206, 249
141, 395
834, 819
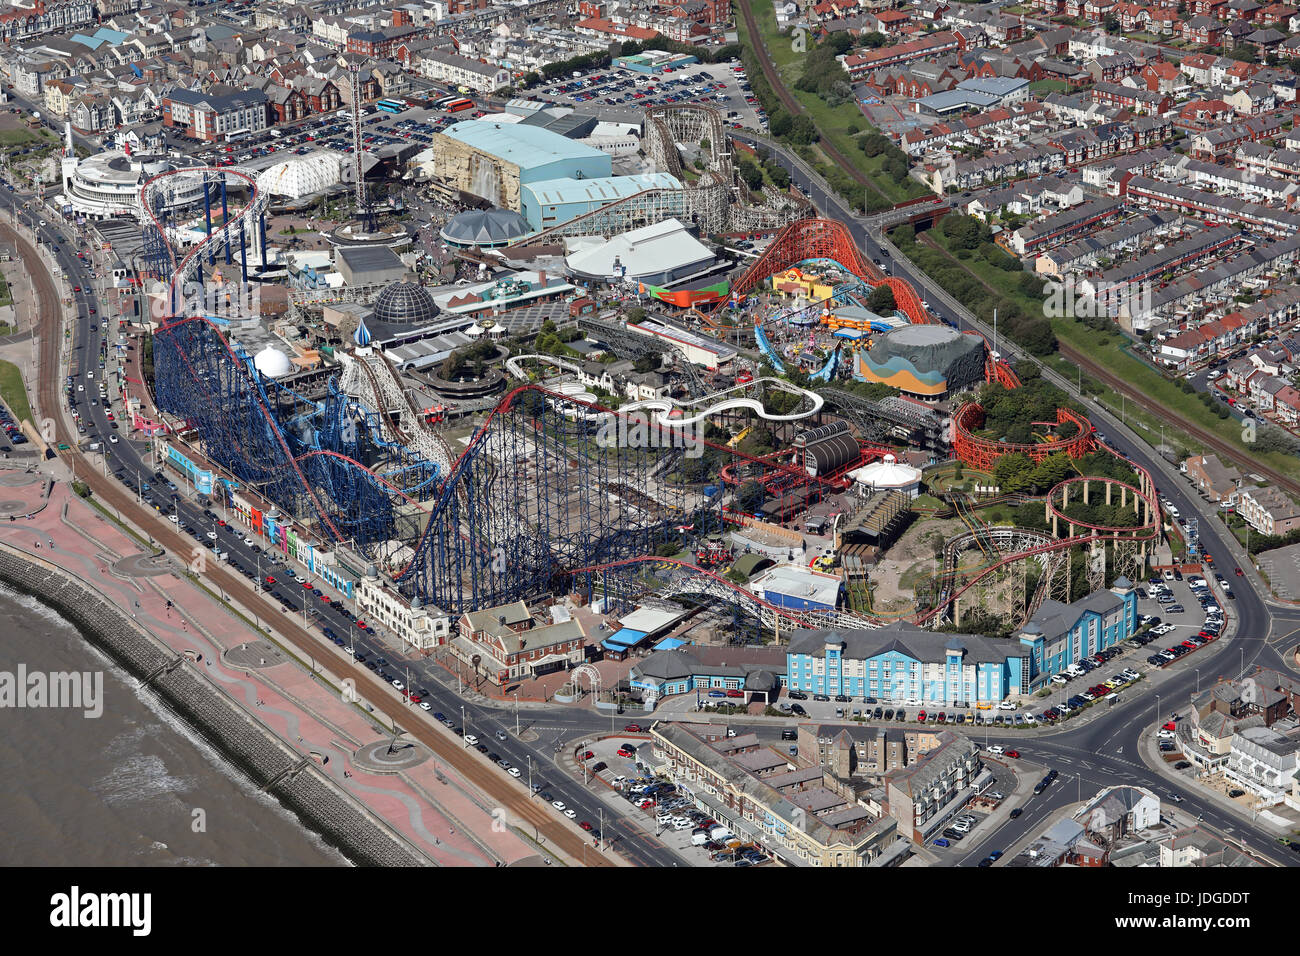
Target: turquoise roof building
539, 153
553, 202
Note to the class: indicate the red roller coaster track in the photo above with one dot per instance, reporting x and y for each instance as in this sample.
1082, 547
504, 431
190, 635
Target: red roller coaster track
826, 239
982, 453
1097, 533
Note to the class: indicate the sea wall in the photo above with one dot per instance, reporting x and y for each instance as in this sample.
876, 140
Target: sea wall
268, 762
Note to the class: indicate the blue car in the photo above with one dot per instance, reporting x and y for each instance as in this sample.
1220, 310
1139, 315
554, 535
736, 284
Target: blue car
942, 842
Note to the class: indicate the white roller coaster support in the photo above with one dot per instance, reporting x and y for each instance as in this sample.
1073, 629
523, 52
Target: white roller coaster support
374, 382
515, 369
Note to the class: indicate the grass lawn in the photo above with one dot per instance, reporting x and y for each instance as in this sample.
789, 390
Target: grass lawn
833, 123
6, 297
1049, 86
18, 137
1163, 393
13, 391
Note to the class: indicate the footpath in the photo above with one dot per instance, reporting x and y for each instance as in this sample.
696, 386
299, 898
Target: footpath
442, 815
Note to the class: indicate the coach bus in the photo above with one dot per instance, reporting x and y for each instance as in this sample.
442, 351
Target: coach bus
454, 104
391, 106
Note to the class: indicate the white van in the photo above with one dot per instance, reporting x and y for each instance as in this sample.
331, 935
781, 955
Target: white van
699, 839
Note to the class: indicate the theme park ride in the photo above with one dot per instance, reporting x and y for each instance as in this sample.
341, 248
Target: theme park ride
535, 494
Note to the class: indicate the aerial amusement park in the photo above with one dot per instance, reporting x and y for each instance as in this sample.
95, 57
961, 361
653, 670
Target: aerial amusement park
802, 445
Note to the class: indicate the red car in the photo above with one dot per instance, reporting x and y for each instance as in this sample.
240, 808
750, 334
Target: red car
627, 750
633, 729
735, 693
269, 579
220, 523
920, 718
1170, 726
413, 698
362, 626
1013, 753
1239, 574
588, 755
307, 585
585, 825
943, 718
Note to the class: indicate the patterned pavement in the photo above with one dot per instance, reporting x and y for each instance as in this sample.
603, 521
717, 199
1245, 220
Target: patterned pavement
443, 815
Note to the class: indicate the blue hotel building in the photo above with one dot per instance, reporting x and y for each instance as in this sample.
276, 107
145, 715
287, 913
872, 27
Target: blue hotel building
1060, 635
900, 663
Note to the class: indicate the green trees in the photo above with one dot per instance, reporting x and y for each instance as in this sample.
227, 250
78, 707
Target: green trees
966, 232
472, 359
760, 441
751, 173
778, 174
803, 131
873, 144
822, 73
882, 300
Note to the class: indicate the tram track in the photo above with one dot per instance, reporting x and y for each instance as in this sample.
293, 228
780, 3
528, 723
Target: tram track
109, 493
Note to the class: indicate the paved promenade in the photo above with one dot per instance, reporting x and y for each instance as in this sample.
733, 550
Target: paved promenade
433, 808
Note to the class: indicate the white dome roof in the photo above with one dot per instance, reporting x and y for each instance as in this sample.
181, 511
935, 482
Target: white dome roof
272, 363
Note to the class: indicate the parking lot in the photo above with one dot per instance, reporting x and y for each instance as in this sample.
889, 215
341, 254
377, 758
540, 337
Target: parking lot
721, 85
1190, 611
658, 806
1176, 617
679, 821
414, 125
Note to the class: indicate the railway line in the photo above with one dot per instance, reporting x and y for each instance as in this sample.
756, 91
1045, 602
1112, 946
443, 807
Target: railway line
1170, 415
793, 105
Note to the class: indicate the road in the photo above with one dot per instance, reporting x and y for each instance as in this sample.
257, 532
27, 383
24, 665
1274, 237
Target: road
127, 459
1100, 753
1104, 751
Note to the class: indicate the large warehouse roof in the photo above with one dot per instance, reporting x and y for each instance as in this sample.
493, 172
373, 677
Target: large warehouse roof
650, 250
523, 145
